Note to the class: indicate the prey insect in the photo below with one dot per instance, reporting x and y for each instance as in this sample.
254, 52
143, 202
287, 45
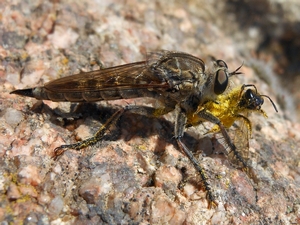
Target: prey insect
179, 81
229, 108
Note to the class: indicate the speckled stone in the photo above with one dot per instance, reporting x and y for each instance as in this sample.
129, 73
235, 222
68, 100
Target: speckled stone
135, 175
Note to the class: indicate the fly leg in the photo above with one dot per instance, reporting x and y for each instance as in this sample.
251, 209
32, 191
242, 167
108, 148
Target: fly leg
179, 131
92, 140
245, 167
141, 110
211, 118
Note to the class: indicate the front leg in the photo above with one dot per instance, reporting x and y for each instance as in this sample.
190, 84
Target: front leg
232, 148
180, 124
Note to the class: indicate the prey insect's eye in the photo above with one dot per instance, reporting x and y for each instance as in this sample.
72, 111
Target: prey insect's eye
221, 63
249, 94
254, 100
221, 80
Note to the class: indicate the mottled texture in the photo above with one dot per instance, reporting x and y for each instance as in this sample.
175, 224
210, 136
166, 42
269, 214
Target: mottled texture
136, 174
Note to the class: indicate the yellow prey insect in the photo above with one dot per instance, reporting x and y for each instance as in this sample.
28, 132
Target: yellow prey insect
230, 107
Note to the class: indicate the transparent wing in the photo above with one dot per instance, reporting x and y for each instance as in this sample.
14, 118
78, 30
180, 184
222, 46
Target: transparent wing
240, 135
128, 76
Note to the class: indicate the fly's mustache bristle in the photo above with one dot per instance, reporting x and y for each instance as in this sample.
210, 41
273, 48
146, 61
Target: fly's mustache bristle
24, 92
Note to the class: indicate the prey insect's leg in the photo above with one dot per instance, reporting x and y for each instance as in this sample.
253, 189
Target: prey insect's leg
179, 130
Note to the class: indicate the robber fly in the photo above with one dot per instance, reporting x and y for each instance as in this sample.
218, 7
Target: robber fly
178, 80
230, 107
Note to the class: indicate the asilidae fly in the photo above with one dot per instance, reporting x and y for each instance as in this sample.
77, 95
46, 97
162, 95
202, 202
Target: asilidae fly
179, 81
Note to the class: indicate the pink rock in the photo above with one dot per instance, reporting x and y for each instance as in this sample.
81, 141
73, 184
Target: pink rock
29, 175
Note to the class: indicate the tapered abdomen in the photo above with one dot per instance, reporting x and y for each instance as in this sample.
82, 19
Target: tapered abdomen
88, 96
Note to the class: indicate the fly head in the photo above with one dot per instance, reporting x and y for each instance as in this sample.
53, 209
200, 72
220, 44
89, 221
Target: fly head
222, 76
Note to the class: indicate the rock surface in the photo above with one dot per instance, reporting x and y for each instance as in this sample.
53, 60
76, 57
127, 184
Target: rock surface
133, 176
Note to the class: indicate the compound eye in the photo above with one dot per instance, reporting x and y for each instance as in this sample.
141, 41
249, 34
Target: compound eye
221, 63
249, 94
221, 81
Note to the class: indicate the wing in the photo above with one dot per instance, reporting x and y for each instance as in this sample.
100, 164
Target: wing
240, 134
128, 76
